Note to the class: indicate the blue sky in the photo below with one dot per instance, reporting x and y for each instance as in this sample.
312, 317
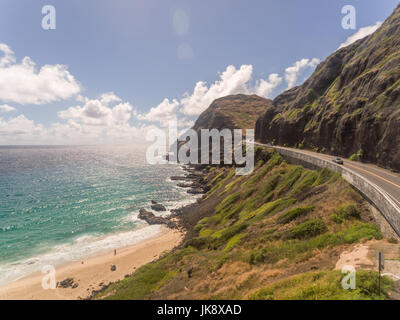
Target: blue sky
148, 51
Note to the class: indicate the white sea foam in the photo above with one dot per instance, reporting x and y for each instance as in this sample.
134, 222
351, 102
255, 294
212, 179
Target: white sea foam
82, 248
181, 203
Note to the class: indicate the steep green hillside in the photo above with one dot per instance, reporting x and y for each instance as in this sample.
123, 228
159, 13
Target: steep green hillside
275, 234
350, 105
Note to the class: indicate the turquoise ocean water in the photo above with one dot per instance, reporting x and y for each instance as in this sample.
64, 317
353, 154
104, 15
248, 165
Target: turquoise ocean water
60, 204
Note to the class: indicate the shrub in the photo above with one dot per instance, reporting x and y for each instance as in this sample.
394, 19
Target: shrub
324, 175
357, 156
198, 243
292, 214
306, 182
249, 192
275, 160
229, 200
233, 242
222, 236
308, 229
269, 185
289, 179
345, 212
267, 209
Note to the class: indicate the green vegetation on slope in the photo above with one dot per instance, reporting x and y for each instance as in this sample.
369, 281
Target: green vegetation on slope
324, 285
260, 237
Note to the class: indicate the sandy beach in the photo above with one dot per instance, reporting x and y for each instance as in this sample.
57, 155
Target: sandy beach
93, 273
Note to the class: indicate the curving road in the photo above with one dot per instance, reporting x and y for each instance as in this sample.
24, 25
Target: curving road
385, 179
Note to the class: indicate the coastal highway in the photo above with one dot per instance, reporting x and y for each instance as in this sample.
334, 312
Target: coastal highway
385, 179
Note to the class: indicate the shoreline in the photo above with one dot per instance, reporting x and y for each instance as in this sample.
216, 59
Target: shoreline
82, 279
94, 273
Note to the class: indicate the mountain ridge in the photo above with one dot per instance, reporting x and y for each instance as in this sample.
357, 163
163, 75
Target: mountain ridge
354, 95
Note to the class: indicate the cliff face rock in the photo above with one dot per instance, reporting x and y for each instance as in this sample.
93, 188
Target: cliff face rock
351, 104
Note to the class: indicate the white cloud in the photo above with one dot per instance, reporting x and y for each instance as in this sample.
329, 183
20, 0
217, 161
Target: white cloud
99, 112
163, 113
232, 81
185, 123
292, 73
6, 108
20, 128
108, 118
23, 83
109, 97
361, 33
265, 88
8, 55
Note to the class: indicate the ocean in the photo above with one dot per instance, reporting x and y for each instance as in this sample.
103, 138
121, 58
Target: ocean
62, 204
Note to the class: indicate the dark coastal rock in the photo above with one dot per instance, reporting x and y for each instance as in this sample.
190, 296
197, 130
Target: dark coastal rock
184, 185
195, 191
113, 267
151, 219
66, 283
195, 176
179, 178
193, 185
197, 185
157, 206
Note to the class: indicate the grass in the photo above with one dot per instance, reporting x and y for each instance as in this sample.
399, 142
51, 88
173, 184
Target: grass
290, 249
273, 162
325, 285
345, 212
293, 214
147, 279
233, 242
308, 229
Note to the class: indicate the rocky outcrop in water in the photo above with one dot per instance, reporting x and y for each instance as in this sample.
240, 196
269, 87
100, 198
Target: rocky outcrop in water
151, 219
157, 206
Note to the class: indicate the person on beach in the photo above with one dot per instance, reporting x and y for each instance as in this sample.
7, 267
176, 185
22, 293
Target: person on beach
115, 252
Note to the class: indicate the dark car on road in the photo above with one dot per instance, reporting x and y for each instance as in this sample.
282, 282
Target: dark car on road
338, 161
